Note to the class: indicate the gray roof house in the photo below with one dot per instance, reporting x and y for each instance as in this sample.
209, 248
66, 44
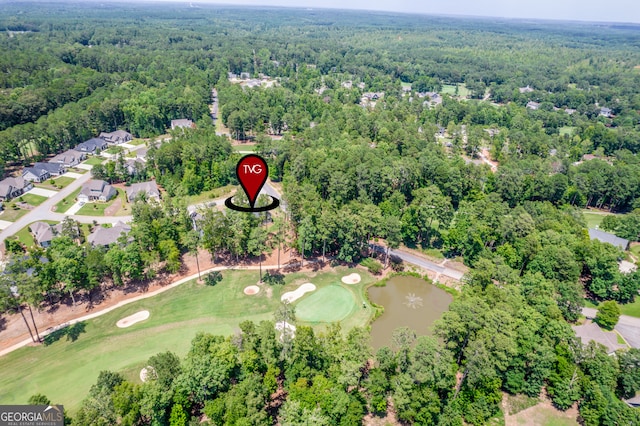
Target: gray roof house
533, 105
90, 146
96, 190
69, 158
605, 237
606, 112
149, 188
42, 171
182, 123
43, 233
117, 137
107, 236
13, 187
134, 166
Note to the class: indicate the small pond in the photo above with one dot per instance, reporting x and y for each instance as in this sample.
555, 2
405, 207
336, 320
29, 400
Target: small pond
408, 302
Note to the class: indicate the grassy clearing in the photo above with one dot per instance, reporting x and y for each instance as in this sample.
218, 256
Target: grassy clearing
210, 195
93, 161
517, 403
329, 304
237, 148
594, 219
450, 89
137, 142
66, 369
32, 199
67, 202
566, 130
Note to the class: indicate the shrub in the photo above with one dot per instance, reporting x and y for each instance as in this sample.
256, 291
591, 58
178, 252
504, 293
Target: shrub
608, 315
372, 265
213, 278
272, 278
396, 264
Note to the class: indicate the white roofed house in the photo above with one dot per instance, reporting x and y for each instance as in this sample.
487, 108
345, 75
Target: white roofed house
182, 123
96, 190
117, 137
149, 189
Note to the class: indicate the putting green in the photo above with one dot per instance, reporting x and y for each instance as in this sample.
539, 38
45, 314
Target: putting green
329, 304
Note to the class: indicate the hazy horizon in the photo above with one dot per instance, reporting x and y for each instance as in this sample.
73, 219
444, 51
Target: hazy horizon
572, 10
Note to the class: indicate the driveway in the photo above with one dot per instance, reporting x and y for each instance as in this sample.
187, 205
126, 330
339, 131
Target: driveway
4, 224
73, 175
41, 191
84, 166
628, 327
73, 209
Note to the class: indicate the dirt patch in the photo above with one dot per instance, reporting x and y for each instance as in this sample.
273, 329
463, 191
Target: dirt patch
251, 290
113, 208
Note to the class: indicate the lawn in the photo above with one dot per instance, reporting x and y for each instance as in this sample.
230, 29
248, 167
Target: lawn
94, 161
97, 209
114, 150
329, 304
631, 309
450, 89
32, 199
66, 369
11, 215
237, 148
566, 130
137, 142
67, 202
58, 183
594, 219
210, 195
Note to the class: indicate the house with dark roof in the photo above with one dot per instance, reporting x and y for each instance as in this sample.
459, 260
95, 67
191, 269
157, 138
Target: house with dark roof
69, 158
13, 187
96, 190
43, 233
106, 236
605, 237
117, 137
150, 189
182, 123
91, 146
42, 171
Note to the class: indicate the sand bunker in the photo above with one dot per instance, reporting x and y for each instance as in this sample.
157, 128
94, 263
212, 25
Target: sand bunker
251, 290
292, 296
351, 279
132, 319
285, 327
146, 373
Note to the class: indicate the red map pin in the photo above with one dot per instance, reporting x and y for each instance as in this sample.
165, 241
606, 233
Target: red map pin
252, 172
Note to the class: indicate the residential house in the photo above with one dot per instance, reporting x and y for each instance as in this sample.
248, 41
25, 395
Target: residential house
569, 110
525, 89
117, 137
92, 145
606, 112
43, 233
182, 123
134, 166
533, 105
13, 187
347, 84
69, 158
605, 237
40, 172
433, 98
96, 190
245, 76
150, 189
231, 75
373, 96
591, 332
106, 236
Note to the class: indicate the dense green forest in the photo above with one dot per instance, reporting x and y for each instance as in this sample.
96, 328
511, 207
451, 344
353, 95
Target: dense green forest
405, 171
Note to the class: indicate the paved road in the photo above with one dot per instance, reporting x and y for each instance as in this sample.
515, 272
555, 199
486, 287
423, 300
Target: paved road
628, 327
421, 262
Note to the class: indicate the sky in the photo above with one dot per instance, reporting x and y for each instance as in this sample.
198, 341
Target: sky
576, 10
